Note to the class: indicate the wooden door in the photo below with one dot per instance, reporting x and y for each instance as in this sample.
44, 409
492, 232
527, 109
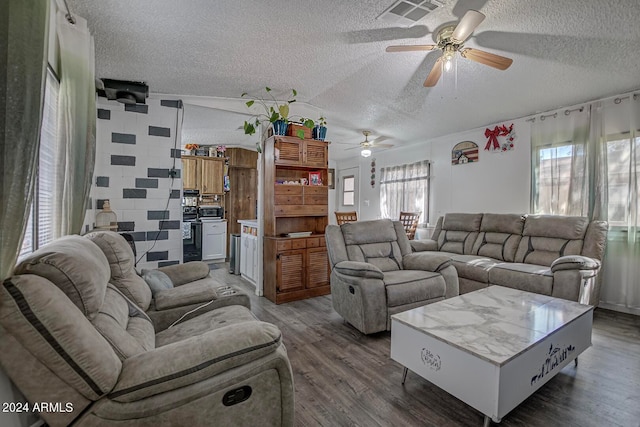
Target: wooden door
316, 154
190, 173
317, 267
212, 175
290, 270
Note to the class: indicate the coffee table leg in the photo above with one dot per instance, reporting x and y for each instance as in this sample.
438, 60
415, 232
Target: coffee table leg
576, 362
404, 375
487, 421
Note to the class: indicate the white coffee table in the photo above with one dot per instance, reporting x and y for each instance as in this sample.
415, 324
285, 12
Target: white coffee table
491, 348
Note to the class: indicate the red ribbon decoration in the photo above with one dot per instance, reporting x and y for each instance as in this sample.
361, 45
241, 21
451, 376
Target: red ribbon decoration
494, 134
493, 138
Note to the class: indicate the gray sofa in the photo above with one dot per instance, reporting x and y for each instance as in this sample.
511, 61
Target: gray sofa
69, 335
547, 254
374, 273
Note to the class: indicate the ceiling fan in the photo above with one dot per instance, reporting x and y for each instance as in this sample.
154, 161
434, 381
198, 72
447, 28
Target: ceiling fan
450, 40
367, 145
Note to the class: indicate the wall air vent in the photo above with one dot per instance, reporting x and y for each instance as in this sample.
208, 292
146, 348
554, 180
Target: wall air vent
408, 12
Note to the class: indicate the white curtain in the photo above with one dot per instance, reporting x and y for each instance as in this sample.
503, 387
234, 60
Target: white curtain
559, 163
76, 124
616, 137
24, 28
585, 162
405, 188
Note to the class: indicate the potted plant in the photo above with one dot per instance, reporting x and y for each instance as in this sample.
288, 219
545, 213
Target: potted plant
320, 129
275, 114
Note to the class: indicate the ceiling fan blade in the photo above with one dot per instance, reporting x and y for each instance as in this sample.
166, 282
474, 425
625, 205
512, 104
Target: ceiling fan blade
486, 58
467, 24
410, 48
354, 147
382, 146
434, 75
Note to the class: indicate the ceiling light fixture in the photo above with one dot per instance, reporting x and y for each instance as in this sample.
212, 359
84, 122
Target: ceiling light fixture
365, 152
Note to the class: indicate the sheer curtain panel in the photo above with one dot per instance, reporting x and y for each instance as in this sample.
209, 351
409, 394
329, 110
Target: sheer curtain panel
616, 136
23, 44
405, 188
76, 124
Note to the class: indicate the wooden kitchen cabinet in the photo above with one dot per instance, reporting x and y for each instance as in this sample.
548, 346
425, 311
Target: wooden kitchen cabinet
205, 174
295, 267
189, 173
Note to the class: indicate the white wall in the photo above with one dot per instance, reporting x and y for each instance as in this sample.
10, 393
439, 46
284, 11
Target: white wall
498, 182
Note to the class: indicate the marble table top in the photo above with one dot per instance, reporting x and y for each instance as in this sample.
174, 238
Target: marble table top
494, 323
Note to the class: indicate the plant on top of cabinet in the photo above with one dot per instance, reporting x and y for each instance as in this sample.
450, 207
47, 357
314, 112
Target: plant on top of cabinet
275, 113
320, 129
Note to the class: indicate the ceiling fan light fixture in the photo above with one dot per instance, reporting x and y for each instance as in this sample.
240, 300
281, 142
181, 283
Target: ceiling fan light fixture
365, 152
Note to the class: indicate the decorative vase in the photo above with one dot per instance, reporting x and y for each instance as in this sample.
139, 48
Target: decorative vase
280, 127
319, 132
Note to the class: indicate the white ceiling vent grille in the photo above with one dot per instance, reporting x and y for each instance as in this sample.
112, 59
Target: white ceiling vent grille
408, 12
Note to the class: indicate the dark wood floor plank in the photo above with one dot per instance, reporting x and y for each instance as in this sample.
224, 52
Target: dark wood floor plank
344, 378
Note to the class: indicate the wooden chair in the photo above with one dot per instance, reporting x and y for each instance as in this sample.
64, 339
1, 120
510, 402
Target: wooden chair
344, 217
410, 222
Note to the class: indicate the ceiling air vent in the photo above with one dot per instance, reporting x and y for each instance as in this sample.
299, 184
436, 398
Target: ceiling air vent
408, 12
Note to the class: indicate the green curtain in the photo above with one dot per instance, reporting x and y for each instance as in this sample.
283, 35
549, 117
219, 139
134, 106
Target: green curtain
24, 29
75, 158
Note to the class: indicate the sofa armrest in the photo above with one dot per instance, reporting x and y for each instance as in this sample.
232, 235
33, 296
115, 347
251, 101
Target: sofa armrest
427, 261
194, 359
574, 262
359, 269
186, 273
423, 245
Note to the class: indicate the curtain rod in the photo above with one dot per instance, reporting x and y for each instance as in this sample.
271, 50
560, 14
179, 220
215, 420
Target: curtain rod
616, 100
69, 16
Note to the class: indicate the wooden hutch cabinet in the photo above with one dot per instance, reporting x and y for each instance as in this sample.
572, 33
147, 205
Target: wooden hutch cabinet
205, 174
295, 267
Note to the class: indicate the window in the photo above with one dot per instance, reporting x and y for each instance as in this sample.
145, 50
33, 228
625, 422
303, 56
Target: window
620, 169
405, 188
348, 191
40, 231
560, 171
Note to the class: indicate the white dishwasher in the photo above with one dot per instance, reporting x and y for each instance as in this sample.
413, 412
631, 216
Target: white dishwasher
214, 239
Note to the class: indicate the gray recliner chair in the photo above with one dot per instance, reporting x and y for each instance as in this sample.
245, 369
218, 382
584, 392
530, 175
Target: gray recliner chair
68, 335
374, 273
191, 289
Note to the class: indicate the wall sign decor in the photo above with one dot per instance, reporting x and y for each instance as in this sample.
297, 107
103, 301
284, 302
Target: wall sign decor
373, 173
464, 152
500, 131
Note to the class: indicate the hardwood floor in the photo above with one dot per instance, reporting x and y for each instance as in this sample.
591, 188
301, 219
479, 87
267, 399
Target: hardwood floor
344, 378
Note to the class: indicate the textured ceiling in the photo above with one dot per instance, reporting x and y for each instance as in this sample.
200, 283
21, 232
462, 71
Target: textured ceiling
333, 53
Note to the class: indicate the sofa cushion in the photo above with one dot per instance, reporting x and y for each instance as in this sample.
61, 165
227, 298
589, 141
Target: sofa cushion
361, 232
526, 277
75, 265
157, 281
121, 262
462, 221
384, 255
410, 286
474, 267
55, 332
205, 322
499, 236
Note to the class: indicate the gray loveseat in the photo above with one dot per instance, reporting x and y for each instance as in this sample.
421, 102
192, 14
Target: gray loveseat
546, 254
69, 335
374, 273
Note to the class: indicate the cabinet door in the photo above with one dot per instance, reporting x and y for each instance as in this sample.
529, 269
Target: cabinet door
316, 154
212, 176
317, 267
288, 152
290, 270
214, 240
189, 174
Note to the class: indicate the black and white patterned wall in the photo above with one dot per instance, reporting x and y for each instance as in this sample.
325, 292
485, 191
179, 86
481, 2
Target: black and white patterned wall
137, 147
